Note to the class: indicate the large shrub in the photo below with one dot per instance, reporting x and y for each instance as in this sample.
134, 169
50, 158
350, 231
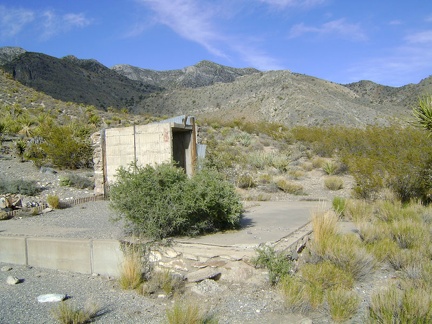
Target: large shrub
162, 201
393, 157
64, 146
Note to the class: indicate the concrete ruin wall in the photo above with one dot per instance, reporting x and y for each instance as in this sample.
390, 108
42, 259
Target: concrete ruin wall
115, 147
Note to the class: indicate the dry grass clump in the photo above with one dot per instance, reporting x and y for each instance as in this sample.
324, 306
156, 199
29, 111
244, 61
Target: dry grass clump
358, 210
290, 187
188, 313
324, 226
333, 183
345, 251
342, 304
296, 174
394, 305
131, 270
53, 201
68, 313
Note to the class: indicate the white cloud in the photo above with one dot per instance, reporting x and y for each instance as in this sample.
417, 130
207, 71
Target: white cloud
53, 24
420, 37
293, 3
339, 28
13, 21
197, 21
190, 19
409, 61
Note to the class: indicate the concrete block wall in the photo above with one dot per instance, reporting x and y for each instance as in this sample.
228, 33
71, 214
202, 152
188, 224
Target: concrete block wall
77, 255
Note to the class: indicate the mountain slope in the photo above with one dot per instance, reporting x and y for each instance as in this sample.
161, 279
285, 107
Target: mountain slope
277, 96
80, 81
209, 89
204, 73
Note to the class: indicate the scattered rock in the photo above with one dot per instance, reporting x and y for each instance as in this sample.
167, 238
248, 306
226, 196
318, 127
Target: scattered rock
47, 170
51, 298
6, 268
210, 263
11, 280
202, 274
207, 287
175, 264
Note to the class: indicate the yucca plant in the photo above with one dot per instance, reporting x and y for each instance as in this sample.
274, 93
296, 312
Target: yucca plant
423, 113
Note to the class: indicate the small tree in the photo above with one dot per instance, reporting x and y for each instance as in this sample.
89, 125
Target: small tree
162, 201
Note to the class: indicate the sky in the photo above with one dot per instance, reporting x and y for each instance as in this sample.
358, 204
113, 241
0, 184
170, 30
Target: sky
385, 41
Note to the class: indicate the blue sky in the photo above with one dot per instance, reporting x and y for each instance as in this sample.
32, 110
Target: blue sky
386, 41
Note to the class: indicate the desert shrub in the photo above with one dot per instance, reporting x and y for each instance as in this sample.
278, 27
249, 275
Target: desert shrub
76, 181
162, 201
68, 313
63, 146
342, 303
22, 187
333, 183
378, 157
162, 281
245, 181
277, 263
53, 201
330, 167
290, 187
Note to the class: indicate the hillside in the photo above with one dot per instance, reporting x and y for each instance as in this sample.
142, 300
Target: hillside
80, 81
208, 89
204, 73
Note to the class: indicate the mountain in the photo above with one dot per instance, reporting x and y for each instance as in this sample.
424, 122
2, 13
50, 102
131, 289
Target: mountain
208, 89
70, 79
8, 54
203, 74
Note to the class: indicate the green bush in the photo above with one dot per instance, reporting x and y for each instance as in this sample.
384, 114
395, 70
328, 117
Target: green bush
76, 181
66, 147
23, 187
162, 201
278, 264
339, 205
378, 157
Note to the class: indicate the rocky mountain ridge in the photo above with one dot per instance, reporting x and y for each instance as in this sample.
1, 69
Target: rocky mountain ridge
209, 89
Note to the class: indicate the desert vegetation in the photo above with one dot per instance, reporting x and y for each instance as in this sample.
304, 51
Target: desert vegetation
389, 205
158, 202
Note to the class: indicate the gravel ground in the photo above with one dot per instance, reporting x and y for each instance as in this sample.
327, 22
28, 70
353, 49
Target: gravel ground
233, 303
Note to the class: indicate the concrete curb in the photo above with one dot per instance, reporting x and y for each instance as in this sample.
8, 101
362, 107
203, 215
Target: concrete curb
77, 255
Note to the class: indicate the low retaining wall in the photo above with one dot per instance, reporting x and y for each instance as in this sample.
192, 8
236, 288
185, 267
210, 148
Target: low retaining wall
77, 255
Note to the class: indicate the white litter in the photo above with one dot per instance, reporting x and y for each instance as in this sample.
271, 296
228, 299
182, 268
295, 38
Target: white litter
51, 298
